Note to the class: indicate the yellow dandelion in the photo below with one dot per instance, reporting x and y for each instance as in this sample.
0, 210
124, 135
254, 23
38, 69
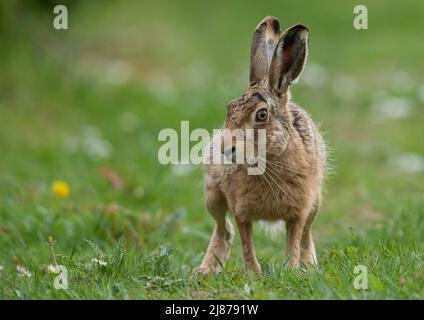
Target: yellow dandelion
61, 189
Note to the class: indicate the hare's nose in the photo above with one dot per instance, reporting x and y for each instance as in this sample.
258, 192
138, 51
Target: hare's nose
229, 153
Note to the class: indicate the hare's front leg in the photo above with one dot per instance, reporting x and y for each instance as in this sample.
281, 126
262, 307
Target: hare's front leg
220, 243
294, 230
246, 236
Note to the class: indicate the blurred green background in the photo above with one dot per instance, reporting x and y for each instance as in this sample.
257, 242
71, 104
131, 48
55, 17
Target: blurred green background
85, 105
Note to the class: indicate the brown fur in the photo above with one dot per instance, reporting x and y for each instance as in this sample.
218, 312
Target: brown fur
290, 189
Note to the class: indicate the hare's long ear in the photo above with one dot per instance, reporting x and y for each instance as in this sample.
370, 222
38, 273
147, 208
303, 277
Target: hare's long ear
289, 58
264, 42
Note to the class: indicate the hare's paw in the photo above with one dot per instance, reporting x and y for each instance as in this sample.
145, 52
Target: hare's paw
254, 267
207, 270
308, 257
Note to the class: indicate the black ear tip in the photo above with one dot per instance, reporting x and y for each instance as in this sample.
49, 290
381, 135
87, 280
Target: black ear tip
297, 32
299, 27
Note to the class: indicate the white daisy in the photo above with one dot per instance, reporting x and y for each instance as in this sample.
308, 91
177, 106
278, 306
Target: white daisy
99, 262
22, 271
53, 269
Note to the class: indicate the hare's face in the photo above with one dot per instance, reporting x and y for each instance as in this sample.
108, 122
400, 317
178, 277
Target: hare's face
276, 61
257, 110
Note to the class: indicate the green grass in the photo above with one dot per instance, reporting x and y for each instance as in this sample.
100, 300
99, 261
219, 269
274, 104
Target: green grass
184, 63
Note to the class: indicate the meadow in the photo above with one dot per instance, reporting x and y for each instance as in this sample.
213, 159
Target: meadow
85, 106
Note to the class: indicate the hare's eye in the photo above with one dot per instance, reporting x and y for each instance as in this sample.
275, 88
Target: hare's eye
262, 115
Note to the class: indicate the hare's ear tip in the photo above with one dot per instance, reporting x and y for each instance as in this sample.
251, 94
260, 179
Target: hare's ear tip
299, 27
271, 21
300, 30
270, 18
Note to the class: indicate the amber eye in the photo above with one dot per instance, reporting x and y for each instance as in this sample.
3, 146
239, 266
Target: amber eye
262, 115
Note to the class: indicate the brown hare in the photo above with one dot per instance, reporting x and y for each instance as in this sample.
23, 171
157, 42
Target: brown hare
290, 187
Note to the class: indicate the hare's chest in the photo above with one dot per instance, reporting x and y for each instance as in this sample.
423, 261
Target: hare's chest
257, 198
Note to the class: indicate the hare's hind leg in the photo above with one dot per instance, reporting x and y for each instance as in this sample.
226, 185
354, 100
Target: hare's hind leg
307, 247
219, 246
